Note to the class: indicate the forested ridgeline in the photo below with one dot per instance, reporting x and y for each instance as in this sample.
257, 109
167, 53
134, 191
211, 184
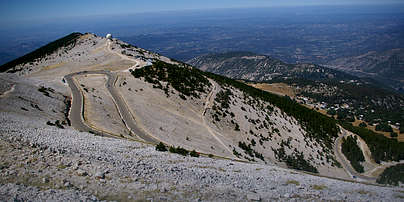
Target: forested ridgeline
42, 51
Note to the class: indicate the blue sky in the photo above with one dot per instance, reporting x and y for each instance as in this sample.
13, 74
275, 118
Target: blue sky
20, 10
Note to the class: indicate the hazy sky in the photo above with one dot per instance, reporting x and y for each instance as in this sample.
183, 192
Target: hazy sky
19, 10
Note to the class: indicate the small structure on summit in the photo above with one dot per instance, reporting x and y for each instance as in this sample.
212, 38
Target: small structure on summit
149, 63
109, 36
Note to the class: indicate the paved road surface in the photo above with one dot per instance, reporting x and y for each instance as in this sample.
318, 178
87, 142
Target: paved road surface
346, 164
77, 109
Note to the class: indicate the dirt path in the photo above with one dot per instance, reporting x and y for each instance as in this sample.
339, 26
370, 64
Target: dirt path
366, 152
122, 56
7, 92
380, 168
208, 105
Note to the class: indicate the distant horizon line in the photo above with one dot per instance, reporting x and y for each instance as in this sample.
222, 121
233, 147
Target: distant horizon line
231, 8
168, 11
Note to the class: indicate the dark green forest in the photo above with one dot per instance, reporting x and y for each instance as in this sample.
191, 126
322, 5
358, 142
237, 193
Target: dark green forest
295, 160
353, 153
186, 80
381, 147
392, 175
375, 104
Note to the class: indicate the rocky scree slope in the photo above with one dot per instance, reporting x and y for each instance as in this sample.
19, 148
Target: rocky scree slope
251, 124
44, 162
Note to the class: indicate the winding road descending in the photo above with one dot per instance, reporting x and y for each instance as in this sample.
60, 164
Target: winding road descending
124, 111
77, 109
346, 164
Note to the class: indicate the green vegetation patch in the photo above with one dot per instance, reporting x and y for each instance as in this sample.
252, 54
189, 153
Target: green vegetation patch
318, 126
46, 91
295, 160
363, 125
319, 187
297, 183
223, 97
249, 151
381, 147
353, 153
193, 153
43, 51
392, 175
186, 80
161, 147
178, 150
385, 127
57, 123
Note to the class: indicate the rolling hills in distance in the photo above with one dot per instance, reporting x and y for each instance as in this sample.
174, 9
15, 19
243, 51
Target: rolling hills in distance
383, 66
114, 93
329, 89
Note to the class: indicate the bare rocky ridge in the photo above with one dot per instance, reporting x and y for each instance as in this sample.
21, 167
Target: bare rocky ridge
222, 120
255, 67
386, 66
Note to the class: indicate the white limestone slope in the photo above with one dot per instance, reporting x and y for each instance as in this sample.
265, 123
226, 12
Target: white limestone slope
41, 159
41, 162
196, 123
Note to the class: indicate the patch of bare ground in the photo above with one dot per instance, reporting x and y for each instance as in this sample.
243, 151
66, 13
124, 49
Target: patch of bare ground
276, 88
99, 108
75, 166
176, 121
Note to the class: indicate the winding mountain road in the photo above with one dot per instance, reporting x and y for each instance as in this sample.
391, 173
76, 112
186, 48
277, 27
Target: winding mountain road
77, 107
345, 163
76, 114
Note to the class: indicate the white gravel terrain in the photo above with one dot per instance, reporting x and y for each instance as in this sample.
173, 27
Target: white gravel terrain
47, 163
43, 158
184, 123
